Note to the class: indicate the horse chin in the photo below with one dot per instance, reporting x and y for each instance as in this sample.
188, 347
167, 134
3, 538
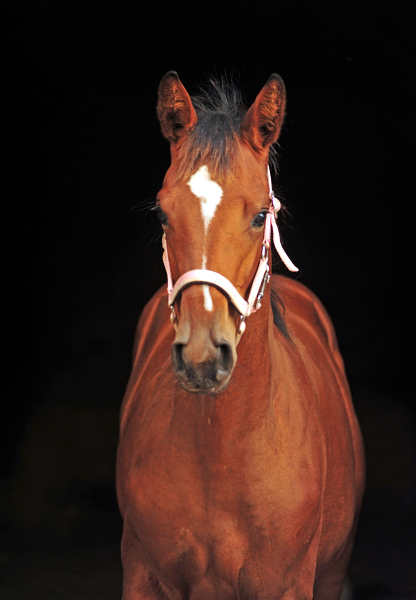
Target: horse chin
212, 391
199, 382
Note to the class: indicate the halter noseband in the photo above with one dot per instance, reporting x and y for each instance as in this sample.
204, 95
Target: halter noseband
261, 278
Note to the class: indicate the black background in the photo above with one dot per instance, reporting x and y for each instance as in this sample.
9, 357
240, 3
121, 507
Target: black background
83, 145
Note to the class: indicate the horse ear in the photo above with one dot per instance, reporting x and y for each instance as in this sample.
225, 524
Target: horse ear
176, 114
263, 120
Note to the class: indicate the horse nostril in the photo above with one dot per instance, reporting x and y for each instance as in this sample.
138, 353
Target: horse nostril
177, 358
224, 361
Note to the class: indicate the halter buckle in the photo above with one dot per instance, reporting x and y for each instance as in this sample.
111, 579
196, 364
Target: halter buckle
265, 280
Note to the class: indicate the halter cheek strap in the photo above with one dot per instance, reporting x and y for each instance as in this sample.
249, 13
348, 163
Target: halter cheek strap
261, 278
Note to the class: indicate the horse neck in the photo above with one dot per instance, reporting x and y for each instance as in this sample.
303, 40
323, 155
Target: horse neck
252, 376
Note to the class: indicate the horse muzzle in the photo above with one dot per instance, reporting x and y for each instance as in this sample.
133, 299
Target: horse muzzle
209, 375
204, 351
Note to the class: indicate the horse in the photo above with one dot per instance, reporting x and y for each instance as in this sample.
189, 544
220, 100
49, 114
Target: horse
238, 478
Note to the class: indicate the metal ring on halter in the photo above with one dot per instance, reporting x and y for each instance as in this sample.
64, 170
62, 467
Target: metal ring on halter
173, 317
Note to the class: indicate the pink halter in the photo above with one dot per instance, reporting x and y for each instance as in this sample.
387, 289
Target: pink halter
261, 278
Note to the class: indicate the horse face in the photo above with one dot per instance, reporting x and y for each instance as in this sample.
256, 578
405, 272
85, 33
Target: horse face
213, 222
217, 226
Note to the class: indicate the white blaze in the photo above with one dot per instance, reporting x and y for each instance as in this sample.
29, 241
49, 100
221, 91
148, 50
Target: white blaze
209, 194
207, 298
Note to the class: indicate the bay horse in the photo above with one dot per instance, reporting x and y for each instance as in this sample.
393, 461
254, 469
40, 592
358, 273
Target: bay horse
237, 479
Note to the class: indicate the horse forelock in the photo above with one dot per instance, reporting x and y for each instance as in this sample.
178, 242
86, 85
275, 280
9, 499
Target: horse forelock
216, 139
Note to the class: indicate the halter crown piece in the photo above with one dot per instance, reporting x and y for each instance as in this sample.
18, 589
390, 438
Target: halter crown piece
261, 278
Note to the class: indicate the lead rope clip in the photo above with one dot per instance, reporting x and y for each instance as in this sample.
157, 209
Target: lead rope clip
265, 281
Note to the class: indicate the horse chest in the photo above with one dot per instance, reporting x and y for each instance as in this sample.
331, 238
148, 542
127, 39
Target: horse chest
210, 520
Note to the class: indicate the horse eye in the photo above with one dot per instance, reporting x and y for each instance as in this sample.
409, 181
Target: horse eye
259, 219
162, 216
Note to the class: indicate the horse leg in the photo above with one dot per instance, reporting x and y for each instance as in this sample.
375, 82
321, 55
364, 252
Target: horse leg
137, 579
332, 583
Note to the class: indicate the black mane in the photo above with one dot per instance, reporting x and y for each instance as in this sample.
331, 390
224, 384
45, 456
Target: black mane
278, 310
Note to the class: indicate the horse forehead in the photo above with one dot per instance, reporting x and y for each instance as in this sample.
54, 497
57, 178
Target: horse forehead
208, 191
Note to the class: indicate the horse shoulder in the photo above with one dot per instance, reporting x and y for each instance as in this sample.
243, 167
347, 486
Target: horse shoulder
151, 353
315, 343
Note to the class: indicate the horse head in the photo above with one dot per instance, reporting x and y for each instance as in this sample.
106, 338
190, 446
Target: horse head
213, 207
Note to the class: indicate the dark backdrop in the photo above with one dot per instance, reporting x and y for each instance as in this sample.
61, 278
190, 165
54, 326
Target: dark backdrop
82, 146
